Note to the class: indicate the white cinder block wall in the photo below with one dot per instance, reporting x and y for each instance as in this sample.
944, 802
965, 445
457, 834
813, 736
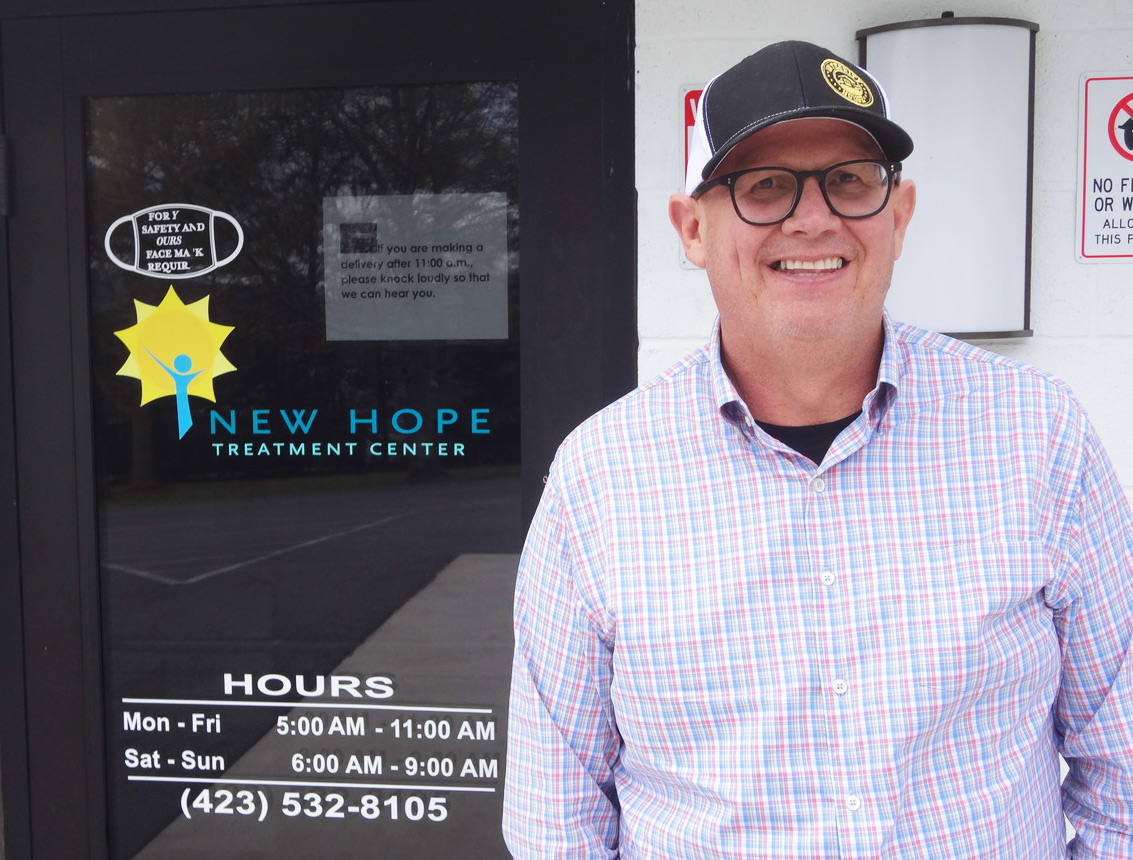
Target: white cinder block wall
1082, 315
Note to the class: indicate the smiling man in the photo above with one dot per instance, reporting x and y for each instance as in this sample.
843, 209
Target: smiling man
832, 586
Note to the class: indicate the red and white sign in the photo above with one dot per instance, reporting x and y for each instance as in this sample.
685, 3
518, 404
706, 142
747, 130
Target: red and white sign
1105, 201
691, 99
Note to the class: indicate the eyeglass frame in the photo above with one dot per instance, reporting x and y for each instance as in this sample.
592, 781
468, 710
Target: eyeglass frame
893, 177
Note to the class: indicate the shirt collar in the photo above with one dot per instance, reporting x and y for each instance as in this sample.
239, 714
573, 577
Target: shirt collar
724, 394
892, 356
875, 404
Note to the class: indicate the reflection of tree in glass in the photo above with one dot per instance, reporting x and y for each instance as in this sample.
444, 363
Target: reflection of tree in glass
268, 159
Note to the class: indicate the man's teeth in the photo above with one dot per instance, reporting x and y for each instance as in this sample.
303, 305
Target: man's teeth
827, 265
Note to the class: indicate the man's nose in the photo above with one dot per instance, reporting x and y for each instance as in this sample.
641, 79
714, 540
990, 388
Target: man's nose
812, 211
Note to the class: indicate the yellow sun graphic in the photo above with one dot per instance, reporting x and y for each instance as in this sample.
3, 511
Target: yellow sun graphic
175, 352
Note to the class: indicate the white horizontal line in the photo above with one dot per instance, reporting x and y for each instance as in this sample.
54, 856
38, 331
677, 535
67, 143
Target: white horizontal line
416, 709
303, 784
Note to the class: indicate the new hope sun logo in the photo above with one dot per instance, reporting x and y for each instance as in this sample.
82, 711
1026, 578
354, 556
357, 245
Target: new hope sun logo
175, 352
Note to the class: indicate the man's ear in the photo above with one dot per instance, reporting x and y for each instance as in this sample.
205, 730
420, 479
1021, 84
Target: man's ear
684, 213
904, 201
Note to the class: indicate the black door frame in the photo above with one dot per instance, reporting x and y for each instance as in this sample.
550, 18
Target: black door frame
574, 61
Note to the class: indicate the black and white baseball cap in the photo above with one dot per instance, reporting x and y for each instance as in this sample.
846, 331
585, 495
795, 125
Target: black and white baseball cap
787, 81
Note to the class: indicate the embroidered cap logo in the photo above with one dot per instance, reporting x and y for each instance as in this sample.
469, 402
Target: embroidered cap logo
847, 83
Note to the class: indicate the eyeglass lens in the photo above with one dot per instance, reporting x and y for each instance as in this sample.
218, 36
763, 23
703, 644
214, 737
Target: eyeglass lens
856, 189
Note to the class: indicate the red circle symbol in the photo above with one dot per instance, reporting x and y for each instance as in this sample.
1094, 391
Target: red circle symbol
1123, 143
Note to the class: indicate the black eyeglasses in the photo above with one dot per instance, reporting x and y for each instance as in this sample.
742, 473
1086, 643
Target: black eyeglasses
763, 196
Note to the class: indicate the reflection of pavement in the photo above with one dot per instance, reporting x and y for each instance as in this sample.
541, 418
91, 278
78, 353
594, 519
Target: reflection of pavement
182, 538
298, 576
280, 577
451, 644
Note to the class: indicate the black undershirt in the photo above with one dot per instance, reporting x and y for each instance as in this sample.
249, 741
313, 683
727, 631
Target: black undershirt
810, 440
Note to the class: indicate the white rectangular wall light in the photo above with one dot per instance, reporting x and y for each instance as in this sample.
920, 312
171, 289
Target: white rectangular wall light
963, 88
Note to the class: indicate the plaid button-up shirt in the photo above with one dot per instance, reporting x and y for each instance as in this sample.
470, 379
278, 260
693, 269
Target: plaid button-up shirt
725, 651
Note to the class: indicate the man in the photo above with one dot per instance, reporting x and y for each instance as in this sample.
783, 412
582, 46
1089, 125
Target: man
832, 586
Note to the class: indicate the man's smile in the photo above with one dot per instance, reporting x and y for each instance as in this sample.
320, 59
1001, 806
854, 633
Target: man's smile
828, 264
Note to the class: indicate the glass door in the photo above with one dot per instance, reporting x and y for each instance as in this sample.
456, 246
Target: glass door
287, 369
305, 375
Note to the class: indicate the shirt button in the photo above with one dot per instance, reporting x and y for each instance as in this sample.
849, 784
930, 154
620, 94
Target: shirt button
827, 578
853, 802
840, 687
818, 485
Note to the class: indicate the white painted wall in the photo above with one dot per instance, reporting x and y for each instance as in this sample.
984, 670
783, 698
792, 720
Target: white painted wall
1082, 314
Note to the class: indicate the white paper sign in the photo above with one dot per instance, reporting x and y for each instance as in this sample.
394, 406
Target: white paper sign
416, 267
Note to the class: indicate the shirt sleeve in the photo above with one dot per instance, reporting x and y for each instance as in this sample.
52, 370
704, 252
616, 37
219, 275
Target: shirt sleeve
1094, 709
563, 744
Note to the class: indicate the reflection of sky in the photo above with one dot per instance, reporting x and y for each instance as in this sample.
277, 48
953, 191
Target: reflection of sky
269, 159
499, 103
239, 151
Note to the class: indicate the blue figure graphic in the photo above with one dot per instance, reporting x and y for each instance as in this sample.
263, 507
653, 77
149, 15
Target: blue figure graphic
181, 379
